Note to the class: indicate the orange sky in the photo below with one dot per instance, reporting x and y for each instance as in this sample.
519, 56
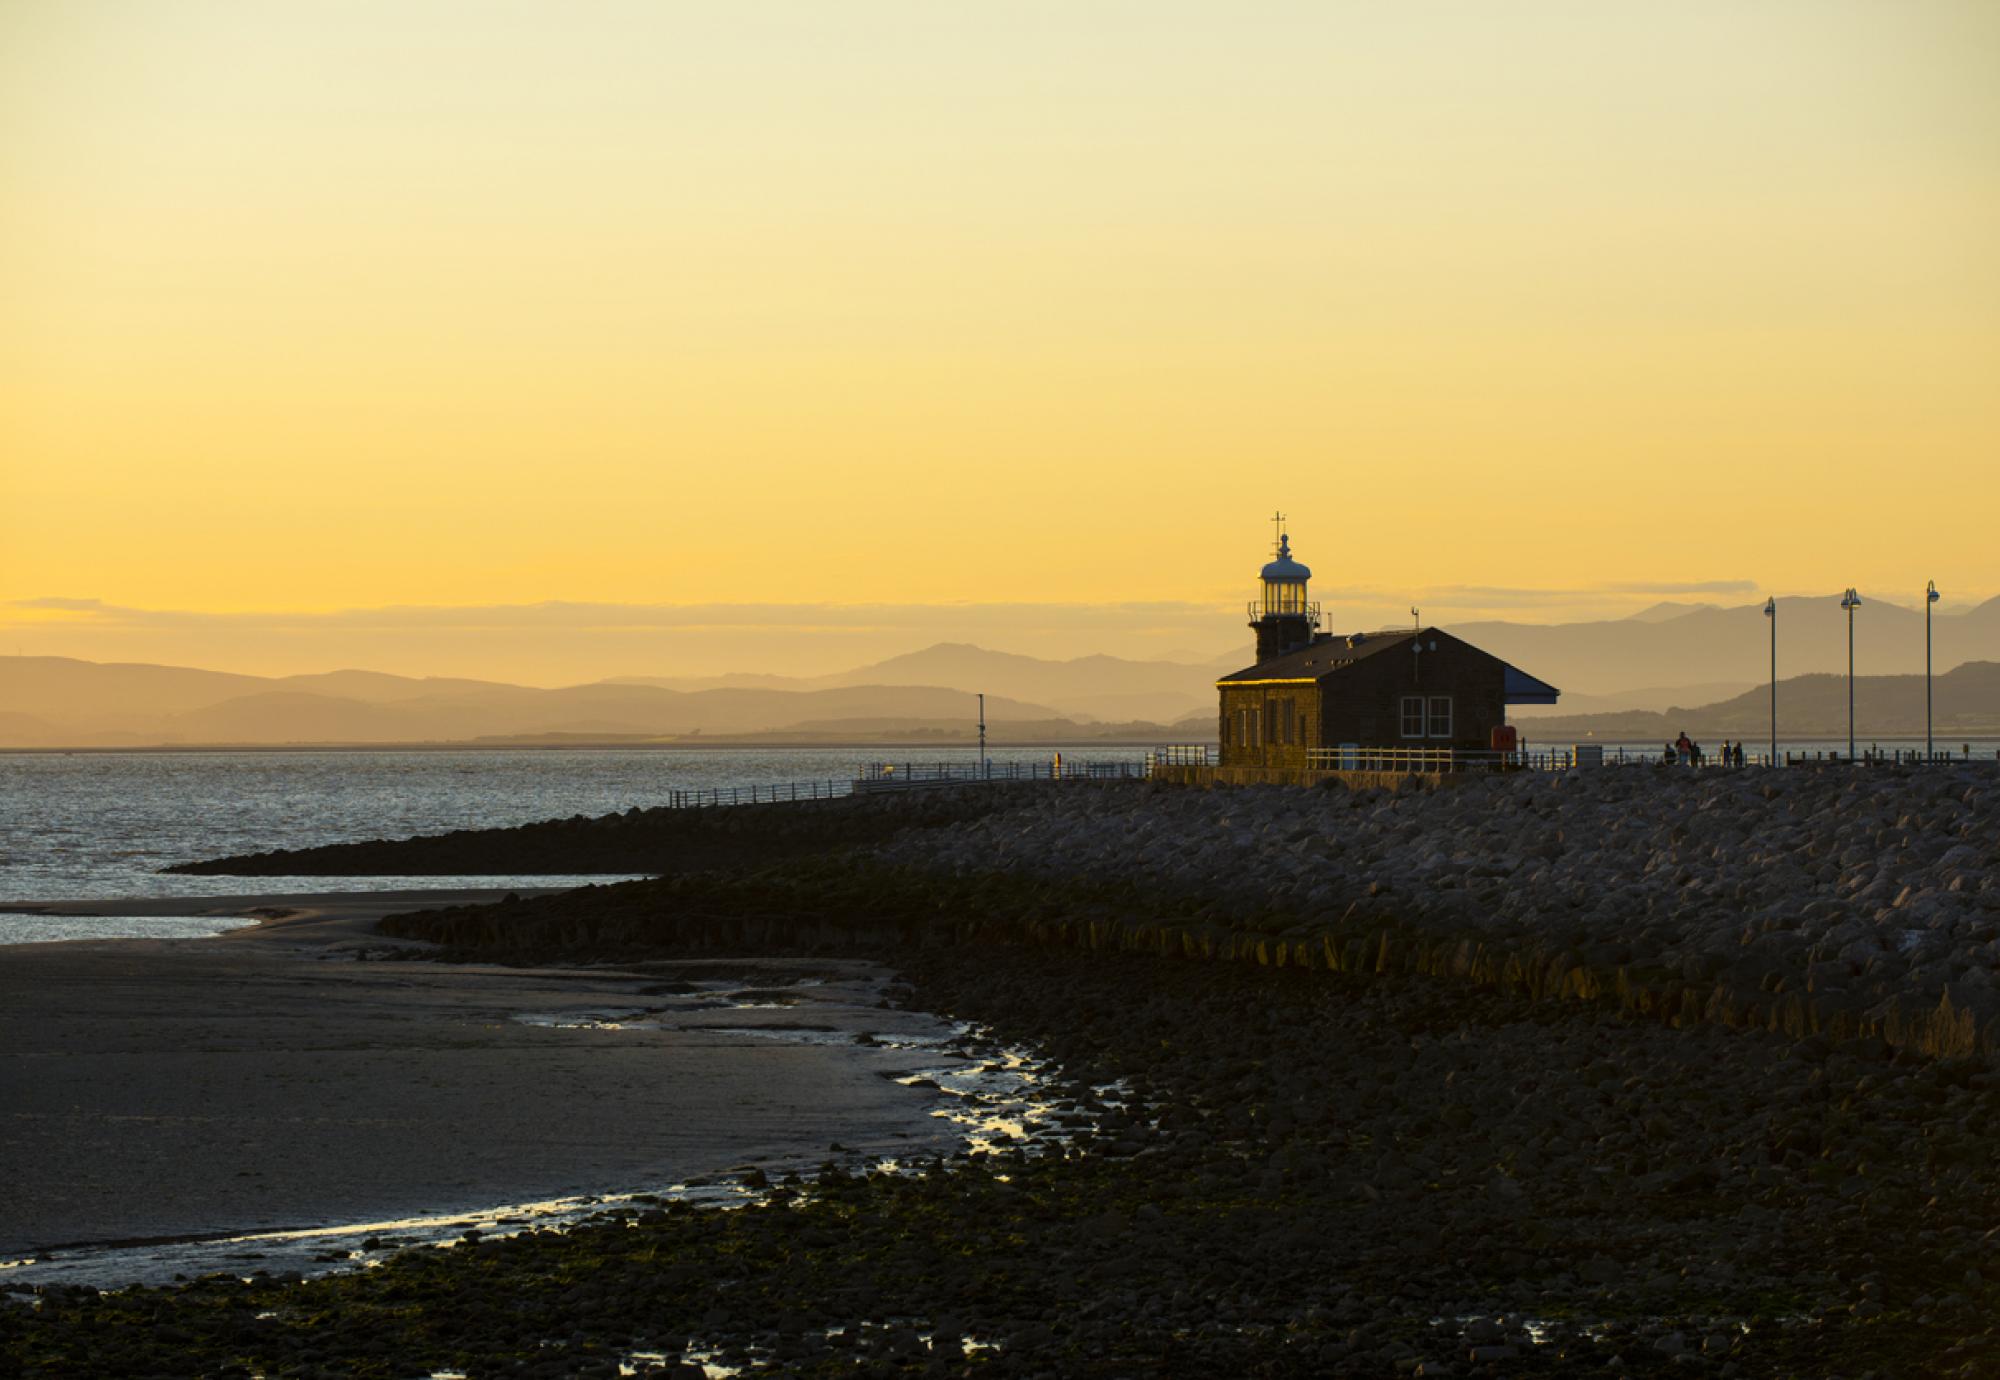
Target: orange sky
325, 306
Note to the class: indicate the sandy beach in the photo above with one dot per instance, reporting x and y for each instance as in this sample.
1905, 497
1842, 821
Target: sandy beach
275, 1078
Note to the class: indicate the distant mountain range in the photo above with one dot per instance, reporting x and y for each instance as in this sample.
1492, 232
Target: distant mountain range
59, 702
1087, 688
1622, 701
1623, 677
1966, 704
1685, 648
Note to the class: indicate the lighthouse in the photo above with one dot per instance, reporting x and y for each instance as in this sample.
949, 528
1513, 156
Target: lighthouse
1281, 616
1313, 702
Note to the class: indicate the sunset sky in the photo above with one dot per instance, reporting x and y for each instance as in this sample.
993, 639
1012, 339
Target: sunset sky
1532, 309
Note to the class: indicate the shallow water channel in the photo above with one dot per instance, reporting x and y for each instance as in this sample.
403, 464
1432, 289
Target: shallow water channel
988, 1097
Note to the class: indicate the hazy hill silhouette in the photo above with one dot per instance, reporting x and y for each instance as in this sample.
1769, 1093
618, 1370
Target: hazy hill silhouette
1625, 671
66, 688
53, 701
1706, 643
1967, 704
1097, 687
1647, 697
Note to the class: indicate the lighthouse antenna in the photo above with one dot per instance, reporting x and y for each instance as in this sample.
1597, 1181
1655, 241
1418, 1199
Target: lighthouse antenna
1277, 533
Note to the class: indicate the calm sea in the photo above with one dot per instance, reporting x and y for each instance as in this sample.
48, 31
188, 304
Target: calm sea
90, 825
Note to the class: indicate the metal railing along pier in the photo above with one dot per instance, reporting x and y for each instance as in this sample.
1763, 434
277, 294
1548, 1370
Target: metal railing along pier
911, 775
880, 776
893, 776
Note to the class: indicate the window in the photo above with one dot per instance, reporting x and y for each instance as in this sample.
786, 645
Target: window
1289, 721
1256, 728
1440, 716
1413, 716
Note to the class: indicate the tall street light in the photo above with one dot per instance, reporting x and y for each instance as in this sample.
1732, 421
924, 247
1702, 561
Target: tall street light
1930, 597
1850, 601
1771, 612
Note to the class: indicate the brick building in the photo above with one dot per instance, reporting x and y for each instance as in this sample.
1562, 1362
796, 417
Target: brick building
1316, 699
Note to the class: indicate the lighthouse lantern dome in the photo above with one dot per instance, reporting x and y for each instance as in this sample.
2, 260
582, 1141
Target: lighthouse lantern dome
1281, 615
1285, 581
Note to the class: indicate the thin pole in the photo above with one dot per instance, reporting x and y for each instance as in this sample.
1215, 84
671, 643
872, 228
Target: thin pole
1930, 597
982, 736
1850, 681
1771, 612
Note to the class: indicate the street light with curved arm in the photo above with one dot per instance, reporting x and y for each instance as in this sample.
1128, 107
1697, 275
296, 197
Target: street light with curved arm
1850, 601
1930, 597
1771, 612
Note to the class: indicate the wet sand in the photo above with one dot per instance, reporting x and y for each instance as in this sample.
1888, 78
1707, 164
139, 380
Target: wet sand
269, 1078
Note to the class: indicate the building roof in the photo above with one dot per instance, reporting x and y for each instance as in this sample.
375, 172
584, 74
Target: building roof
1523, 688
1323, 658
1317, 659
1285, 568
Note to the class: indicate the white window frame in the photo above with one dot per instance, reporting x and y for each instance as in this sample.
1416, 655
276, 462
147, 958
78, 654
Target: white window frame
1437, 725
1411, 711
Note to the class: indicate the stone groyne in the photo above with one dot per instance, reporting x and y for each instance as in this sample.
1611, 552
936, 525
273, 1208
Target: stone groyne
1812, 903
1832, 901
650, 840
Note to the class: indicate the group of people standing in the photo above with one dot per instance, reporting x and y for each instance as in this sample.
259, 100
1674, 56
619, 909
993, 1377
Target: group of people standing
1687, 752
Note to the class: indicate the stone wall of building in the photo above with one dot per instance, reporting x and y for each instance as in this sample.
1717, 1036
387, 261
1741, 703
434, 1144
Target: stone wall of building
1204, 777
1282, 728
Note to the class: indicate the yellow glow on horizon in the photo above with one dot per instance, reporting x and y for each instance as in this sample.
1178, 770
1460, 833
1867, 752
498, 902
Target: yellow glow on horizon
326, 305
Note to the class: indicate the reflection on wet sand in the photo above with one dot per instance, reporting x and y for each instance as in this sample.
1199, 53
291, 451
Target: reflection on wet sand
988, 1098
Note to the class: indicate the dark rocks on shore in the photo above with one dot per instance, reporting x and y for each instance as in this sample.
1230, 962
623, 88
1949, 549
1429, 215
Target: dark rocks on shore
1309, 1175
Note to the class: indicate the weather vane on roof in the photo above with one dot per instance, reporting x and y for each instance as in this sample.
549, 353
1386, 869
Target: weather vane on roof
1277, 532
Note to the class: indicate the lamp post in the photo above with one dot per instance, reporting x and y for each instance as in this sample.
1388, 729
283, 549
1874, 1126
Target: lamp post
1930, 597
1771, 612
1850, 601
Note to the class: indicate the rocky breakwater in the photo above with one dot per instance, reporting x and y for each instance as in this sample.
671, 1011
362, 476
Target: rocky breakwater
1832, 901
660, 839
